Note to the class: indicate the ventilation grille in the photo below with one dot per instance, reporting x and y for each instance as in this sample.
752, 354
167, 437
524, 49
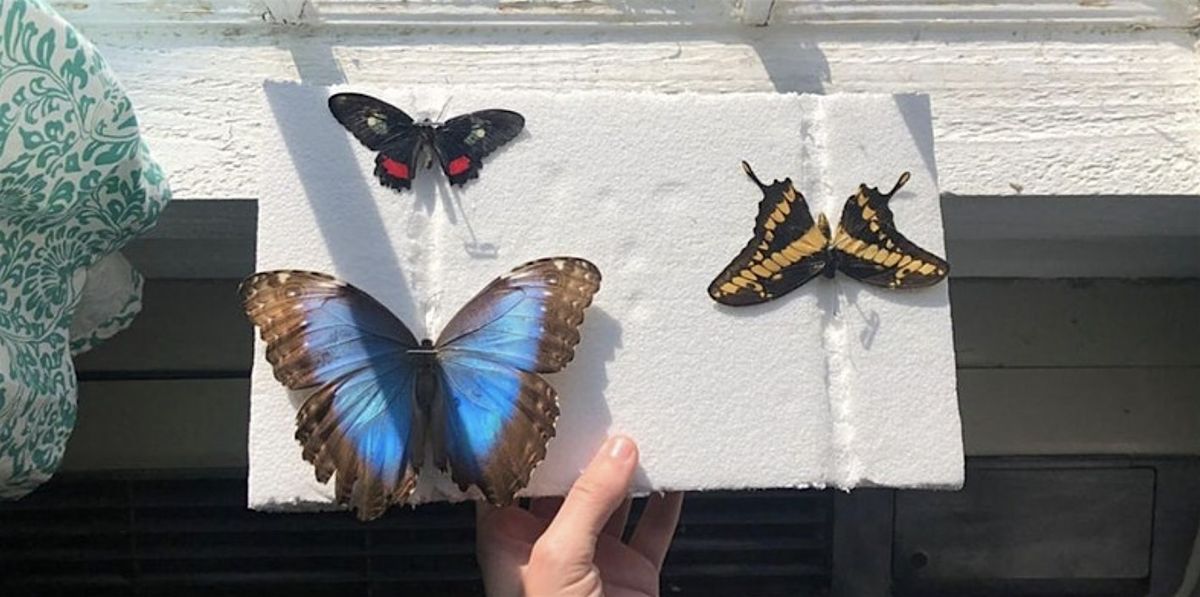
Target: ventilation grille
149, 536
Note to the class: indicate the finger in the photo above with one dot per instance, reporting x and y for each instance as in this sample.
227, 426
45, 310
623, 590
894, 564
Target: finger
545, 508
652, 537
616, 523
483, 511
620, 565
504, 540
510, 523
597, 493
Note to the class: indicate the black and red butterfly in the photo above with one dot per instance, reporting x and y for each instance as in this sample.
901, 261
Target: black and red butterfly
459, 144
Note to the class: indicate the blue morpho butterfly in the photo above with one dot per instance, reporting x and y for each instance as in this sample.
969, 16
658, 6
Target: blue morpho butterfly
475, 396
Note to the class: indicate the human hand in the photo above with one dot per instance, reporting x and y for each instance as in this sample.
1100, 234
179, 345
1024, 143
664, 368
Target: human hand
572, 547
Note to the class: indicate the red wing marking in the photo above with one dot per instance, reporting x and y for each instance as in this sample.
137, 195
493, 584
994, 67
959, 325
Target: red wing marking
459, 165
397, 169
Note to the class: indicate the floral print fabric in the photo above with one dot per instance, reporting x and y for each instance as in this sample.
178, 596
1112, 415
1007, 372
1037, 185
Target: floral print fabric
76, 183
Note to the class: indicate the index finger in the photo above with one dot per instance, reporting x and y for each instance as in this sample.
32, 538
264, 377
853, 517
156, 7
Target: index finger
597, 493
654, 532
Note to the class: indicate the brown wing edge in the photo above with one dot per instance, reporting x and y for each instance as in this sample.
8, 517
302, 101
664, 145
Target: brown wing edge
327, 449
522, 446
323, 443
582, 279
525, 439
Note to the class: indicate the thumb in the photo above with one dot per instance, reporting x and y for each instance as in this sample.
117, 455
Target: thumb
597, 493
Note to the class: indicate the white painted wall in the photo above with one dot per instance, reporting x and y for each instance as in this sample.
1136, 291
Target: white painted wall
1039, 106
1040, 98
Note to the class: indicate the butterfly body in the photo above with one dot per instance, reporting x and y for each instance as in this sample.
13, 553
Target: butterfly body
424, 362
789, 248
427, 135
458, 144
380, 398
829, 259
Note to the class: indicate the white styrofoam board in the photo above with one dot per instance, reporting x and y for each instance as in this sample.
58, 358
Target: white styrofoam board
818, 388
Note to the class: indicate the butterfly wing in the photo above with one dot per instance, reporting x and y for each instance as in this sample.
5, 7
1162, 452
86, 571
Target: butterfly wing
396, 161
495, 411
359, 421
463, 141
870, 249
372, 121
787, 250
381, 127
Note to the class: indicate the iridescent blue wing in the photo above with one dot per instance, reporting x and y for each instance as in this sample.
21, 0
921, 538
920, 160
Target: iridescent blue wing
495, 412
359, 422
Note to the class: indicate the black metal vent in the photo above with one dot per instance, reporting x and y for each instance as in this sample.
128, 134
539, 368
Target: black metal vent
99, 537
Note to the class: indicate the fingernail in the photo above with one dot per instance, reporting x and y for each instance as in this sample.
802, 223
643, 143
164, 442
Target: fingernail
620, 448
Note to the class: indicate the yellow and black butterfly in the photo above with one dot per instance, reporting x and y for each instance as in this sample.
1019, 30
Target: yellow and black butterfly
789, 249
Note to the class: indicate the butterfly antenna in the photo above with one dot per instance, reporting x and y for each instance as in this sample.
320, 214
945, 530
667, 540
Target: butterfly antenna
442, 112
899, 183
750, 173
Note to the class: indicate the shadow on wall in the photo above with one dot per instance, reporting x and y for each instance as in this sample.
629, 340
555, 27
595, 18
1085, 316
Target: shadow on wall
917, 116
792, 67
329, 196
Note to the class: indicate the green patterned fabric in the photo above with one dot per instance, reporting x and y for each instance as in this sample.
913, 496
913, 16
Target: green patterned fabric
76, 183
